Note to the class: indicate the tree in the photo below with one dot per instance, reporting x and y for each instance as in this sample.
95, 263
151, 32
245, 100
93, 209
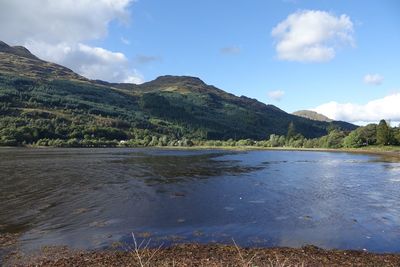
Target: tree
368, 134
291, 131
383, 133
335, 139
396, 135
309, 143
353, 140
274, 140
333, 127
282, 140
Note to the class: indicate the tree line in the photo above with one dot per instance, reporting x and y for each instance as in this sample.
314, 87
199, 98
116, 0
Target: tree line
56, 132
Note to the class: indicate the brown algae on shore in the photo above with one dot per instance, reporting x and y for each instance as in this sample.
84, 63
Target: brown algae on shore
206, 255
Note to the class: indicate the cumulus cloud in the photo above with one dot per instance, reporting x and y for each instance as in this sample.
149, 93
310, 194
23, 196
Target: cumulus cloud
230, 50
58, 30
384, 108
312, 36
61, 20
276, 95
373, 79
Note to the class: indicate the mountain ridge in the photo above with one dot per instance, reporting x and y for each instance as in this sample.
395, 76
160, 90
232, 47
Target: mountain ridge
312, 115
34, 92
19, 61
16, 50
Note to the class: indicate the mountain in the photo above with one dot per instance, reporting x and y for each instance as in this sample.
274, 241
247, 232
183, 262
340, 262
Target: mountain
16, 50
312, 115
19, 61
39, 99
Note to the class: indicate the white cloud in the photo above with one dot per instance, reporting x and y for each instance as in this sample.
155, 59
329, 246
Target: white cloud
57, 31
59, 21
373, 79
312, 36
384, 108
276, 95
98, 62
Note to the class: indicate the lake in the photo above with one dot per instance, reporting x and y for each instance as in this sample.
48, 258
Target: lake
92, 198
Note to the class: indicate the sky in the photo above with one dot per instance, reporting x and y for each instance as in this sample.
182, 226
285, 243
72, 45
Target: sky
337, 57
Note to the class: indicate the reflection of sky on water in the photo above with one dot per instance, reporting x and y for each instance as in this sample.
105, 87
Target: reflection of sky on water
91, 198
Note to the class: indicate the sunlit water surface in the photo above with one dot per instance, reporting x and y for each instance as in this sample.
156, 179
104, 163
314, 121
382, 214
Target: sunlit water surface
92, 198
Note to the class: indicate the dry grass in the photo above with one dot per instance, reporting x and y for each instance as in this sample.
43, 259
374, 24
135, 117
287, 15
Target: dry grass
246, 260
184, 255
142, 253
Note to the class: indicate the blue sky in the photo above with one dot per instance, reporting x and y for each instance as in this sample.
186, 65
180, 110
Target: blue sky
230, 44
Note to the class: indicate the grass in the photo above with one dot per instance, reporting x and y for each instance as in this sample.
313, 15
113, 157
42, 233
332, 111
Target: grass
143, 257
142, 253
203, 255
243, 262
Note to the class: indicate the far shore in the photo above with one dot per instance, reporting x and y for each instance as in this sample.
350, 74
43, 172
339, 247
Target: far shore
389, 152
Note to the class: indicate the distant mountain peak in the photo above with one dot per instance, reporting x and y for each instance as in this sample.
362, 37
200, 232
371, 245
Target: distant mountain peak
19, 61
3, 45
182, 84
180, 79
16, 50
312, 115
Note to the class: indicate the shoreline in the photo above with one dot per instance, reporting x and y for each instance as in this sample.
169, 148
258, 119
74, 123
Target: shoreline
390, 155
204, 255
391, 152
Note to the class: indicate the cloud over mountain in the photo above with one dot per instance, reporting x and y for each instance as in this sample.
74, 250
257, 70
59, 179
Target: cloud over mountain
373, 111
60, 30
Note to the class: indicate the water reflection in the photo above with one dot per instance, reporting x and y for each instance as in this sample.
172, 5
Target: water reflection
92, 198
169, 168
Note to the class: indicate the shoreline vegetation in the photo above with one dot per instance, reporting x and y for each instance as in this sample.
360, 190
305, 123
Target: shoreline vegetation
370, 138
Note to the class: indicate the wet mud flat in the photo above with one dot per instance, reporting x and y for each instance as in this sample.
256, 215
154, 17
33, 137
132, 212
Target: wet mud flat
202, 255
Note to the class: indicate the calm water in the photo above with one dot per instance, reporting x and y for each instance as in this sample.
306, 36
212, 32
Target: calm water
91, 198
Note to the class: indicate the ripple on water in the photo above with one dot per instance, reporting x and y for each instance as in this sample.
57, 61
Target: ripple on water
257, 197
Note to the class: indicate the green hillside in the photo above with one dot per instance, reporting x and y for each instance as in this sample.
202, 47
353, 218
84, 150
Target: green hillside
45, 101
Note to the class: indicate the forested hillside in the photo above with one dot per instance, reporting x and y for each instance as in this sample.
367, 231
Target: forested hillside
45, 103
